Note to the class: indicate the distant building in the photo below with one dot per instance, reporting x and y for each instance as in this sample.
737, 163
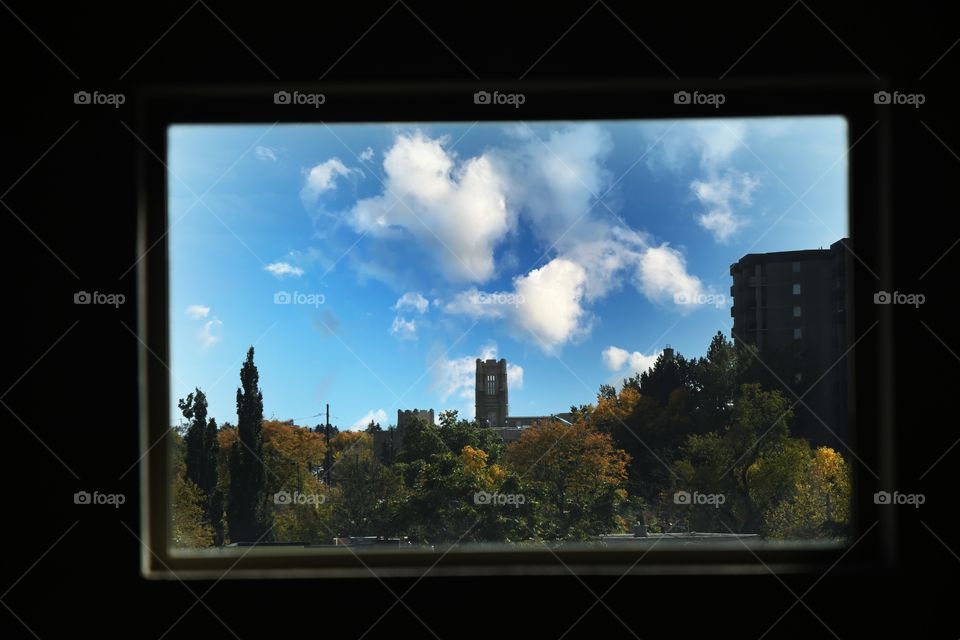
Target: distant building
490, 392
387, 443
792, 305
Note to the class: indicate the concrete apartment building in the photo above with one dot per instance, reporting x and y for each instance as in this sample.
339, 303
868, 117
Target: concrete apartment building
793, 305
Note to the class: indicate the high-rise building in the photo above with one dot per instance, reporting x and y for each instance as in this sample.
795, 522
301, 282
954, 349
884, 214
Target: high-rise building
792, 306
491, 392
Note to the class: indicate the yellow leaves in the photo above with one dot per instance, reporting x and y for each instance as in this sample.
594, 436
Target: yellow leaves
474, 459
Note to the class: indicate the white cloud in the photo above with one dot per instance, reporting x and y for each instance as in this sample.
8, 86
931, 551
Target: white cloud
366, 155
615, 358
404, 329
281, 269
457, 377
719, 196
379, 416
662, 277
197, 311
265, 153
322, 178
412, 300
550, 307
209, 333
457, 211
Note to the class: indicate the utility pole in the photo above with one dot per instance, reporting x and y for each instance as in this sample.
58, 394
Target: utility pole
326, 462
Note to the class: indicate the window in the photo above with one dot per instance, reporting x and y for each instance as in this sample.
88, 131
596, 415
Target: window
796, 312
433, 515
796, 288
797, 378
797, 333
796, 267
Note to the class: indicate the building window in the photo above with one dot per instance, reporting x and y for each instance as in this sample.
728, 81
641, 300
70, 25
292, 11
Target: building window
796, 289
796, 267
796, 312
491, 385
492, 420
797, 333
797, 378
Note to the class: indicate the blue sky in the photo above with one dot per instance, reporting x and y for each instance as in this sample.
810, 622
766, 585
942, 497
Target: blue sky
369, 265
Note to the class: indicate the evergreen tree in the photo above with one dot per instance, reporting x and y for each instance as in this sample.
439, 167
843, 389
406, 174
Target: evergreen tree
202, 450
247, 514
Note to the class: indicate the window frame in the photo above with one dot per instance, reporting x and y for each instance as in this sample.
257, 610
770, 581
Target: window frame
871, 395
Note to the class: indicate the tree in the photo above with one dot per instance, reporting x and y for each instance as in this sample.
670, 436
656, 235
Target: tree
574, 476
247, 514
749, 462
366, 492
202, 452
819, 505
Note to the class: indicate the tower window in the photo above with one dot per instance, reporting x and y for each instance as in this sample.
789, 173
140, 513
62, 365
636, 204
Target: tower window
491, 384
796, 267
796, 289
796, 312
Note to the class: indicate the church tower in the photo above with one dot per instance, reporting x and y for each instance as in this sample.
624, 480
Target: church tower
491, 392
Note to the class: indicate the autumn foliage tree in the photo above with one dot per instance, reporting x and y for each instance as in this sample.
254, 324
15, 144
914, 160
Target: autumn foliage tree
574, 476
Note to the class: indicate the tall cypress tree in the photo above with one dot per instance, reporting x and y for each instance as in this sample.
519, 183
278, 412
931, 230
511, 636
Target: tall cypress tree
202, 449
247, 516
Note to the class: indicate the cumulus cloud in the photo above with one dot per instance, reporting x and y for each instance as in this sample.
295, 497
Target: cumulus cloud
412, 300
551, 307
616, 359
403, 328
719, 196
265, 153
281, 269
456, 210
366, 155
662, 277
322, 178
456, 377
197, 311
379, 416
209, 334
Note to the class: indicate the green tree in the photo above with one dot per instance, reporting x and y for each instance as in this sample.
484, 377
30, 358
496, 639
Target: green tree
247, 514
202, 452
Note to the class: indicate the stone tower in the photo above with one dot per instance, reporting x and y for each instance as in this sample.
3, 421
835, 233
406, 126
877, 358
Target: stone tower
491, 392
